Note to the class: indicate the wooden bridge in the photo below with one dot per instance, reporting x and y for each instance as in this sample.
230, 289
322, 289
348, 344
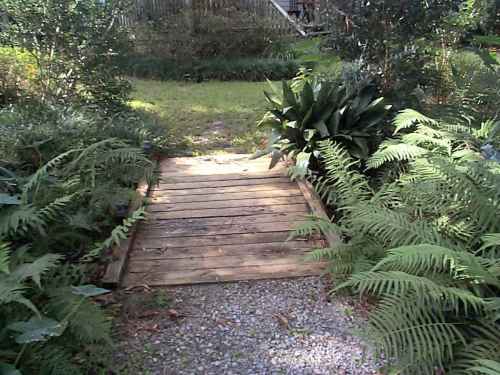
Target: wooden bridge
219, 218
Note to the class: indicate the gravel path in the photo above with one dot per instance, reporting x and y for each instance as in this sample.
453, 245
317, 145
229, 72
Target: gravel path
258, 327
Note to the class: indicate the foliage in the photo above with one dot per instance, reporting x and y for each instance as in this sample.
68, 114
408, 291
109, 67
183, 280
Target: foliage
388, 36
17, 74
487, 40
425, 243
63, 210
228, 69
75, 45
26, 332
31, 135
320, 110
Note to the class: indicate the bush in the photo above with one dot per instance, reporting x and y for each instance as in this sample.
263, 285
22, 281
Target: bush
77, 57
17, 75
244, 69
31, 135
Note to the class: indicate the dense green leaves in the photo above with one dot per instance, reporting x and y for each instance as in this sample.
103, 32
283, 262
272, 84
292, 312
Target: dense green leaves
324, 110
424, 242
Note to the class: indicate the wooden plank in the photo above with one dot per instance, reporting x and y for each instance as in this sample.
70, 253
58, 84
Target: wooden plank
241, 203
174, 224
224, 274
196, 231
225, 250
223, 190
219, 177
168, 265
120, 252
211, 184
144, 242
317, 207
304, 208
166, 198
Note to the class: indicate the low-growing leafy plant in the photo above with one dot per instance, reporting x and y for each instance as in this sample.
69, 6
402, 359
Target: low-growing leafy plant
29, 332
321, 110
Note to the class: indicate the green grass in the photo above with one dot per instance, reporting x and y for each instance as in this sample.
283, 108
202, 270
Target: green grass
205, 117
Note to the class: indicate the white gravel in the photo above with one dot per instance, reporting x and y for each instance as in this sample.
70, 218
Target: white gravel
258, 327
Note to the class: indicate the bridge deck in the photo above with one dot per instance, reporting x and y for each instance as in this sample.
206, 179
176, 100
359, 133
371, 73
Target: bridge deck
220, 218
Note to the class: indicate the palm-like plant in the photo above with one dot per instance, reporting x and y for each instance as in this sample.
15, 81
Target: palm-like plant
323, 110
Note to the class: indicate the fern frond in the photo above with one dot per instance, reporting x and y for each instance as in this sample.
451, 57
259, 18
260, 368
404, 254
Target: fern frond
390, 152
20, 220
55, 209
419, 338
486, 366
342, 183
34, 181
393, 228
118, 234
491, 243
4, 257
315, 225
88, 322
35, 269
428, 293
425, 258
409, 117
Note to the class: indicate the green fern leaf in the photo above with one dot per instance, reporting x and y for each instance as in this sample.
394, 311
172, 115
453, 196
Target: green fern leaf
409, 117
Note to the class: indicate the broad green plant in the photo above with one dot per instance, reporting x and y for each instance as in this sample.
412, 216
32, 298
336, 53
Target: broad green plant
319, 110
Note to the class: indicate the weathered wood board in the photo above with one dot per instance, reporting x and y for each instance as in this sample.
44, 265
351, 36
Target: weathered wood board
222, 218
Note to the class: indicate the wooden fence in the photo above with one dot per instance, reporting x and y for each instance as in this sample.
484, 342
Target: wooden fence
153, 10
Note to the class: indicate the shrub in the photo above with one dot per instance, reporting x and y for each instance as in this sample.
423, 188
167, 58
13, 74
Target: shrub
424, 244
77, 57
245, 69
320, 110
31, 135
17, 75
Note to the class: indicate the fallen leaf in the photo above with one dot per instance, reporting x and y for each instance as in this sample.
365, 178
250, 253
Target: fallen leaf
282, 320
174, 314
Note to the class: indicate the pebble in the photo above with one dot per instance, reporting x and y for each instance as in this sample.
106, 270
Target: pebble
234, 329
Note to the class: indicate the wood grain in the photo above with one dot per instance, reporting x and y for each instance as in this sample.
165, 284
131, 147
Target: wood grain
229, 203
275, 193
225, 250
143, 240
224, 190
218, 275
211, 184
223, 212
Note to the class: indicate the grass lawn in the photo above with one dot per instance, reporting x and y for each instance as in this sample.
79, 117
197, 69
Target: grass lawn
205, 117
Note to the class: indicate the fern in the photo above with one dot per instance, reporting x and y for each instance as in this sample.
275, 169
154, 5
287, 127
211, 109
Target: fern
486, 366
118, 234
390, 152
420, 244
408, 118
